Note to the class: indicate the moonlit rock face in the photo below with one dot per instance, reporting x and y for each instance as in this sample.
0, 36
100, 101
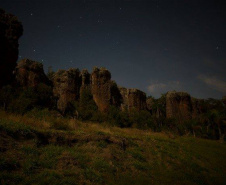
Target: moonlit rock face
101, 88
178, 105
30, 73
10, 31
133, 99
66, 86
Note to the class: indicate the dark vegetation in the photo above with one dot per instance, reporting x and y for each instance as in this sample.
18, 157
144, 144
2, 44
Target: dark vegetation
211, 123
40, 148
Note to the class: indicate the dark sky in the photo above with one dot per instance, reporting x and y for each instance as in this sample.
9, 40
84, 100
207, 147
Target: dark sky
154, 45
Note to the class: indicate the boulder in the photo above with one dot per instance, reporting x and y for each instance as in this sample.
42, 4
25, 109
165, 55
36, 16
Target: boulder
66, 86
10, 31
133, 99
30, 73
178, 106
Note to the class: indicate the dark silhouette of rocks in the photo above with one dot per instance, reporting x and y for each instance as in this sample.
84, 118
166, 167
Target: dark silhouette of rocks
10, 31
133, 98
150, 103
116, 97
224, 100
30, 73
178, 105
101, 88
86, 81
66, 86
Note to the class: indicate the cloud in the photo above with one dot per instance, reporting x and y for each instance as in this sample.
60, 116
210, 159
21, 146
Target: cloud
156, 89
213, 82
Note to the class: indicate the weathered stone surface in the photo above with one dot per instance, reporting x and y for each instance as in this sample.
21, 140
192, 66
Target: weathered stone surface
66, 86
150, 103
10, 31
116, 97
30, 73
196, 107
101, 88
85, 80
133, 99
178, 105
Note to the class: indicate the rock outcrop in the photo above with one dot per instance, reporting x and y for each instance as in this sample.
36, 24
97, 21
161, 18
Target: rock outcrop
30, 73
66, 87
133, 99
178, 105
101, 88
85, 81
10, 31
150, 103
196, 107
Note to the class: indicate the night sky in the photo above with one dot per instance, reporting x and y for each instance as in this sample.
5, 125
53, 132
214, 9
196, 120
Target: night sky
155, 45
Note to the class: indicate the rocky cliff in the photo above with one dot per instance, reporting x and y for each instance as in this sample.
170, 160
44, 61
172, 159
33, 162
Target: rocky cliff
178, 105
66, 86
85, 81
133, 98
10, 31
196, 107
101, 88
30, 73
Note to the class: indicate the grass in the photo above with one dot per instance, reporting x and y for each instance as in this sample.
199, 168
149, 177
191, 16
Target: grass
52, 150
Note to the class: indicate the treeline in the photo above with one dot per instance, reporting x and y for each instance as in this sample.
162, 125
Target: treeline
211, 123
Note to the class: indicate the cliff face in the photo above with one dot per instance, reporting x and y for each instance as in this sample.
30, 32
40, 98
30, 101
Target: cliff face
133, 98
10, 31
85, 81
196, 107
101, 88
178, 105
66, 86
30, 73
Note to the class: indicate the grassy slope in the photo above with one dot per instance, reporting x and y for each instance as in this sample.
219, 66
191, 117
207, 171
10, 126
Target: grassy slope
33, 152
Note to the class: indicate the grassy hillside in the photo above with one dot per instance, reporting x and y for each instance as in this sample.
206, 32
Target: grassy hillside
39, 149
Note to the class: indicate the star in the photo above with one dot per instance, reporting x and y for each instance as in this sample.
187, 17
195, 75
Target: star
34, 50
217, 48
31, 14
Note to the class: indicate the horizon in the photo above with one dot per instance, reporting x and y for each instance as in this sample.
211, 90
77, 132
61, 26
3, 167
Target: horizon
157, 49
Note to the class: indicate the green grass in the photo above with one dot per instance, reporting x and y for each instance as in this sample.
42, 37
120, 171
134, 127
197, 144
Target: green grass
34, 151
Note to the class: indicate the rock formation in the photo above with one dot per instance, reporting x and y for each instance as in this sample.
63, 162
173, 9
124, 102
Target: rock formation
133, 98
196, 107
30, 73
66, 86
150, 103
116, 97
101, 88
10, 31
85, 81
178, 105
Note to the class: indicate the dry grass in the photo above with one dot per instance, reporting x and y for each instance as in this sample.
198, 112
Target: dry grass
92, 153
